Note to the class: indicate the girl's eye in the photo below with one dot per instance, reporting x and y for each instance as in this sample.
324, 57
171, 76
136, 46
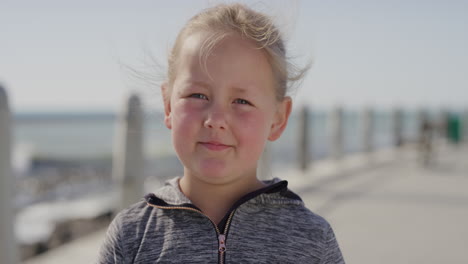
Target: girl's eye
242, 101
199, 96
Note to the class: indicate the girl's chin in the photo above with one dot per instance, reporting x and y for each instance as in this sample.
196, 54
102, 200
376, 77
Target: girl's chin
212, 175
213, 168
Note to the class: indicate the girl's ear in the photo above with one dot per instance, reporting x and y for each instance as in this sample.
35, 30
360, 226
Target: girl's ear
281, 118
166, 95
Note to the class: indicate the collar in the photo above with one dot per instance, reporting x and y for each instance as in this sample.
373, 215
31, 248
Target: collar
276, 192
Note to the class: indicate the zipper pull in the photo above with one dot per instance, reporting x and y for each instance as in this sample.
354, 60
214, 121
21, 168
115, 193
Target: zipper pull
222, 243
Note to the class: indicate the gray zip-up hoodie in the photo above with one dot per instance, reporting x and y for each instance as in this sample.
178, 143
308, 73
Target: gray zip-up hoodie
270, 225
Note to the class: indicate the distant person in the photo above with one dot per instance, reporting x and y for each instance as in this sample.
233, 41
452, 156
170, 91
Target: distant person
426, 146
225, 96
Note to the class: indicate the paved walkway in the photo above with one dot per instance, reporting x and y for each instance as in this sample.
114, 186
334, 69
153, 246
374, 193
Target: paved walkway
399, 212
385, 210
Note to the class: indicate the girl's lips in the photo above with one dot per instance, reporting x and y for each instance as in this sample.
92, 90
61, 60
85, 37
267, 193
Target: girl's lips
214, 146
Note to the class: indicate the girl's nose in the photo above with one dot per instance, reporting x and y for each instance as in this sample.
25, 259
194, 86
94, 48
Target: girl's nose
216, 120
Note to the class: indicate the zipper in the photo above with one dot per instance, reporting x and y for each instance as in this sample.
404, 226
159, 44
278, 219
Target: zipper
221, 236
222, 239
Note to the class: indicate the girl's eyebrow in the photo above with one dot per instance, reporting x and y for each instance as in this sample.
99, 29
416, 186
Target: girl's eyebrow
199, 83
239, 90
206, 85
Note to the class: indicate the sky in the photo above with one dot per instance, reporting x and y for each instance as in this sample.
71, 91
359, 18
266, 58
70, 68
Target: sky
74, 55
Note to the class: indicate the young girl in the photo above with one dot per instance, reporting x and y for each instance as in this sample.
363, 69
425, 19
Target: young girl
225, 96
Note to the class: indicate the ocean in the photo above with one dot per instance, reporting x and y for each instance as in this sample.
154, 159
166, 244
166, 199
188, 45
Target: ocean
78, 136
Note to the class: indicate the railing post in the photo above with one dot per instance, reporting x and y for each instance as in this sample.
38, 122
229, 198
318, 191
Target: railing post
128, 161
368, 130
398, 127
336, 132
8, 245
303, 153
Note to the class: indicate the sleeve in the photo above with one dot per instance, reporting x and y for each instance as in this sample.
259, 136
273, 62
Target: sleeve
332, 253
111, 250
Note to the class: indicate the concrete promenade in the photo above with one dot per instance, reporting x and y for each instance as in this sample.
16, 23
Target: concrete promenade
384, 209
399, 211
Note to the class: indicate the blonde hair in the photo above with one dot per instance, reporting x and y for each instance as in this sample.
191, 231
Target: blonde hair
225, 19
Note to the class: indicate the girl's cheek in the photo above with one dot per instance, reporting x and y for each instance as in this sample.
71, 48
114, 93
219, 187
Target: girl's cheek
245, 115
193, 105
188, 107
250, 119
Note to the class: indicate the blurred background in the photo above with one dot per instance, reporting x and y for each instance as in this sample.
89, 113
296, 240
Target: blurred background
392, 70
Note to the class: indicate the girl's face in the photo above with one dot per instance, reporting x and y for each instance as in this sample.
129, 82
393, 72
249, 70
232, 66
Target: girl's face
222, 115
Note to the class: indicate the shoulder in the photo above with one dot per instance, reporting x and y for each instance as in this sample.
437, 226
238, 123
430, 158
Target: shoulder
315, 231
129, 224
308, 217
285, 210
319, 231
290, 209
125, 232
134, 214
288, 227
306, 221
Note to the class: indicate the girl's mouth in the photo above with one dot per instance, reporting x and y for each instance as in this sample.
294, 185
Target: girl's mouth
214, 146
